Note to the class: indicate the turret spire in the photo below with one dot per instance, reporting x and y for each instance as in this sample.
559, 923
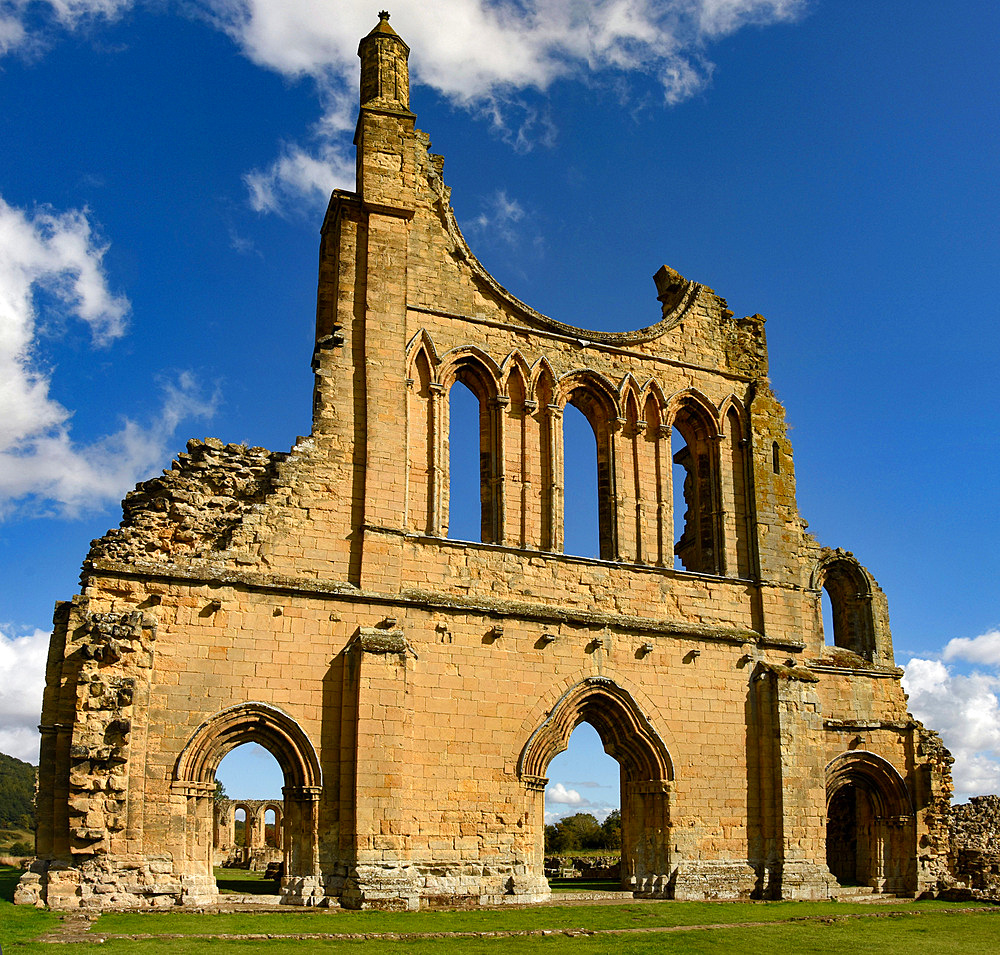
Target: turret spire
385, 76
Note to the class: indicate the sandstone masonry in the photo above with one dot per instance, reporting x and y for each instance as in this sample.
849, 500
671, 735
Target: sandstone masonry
414, 688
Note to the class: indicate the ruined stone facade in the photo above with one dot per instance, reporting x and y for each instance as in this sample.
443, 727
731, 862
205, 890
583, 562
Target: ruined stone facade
258, 844
414, 688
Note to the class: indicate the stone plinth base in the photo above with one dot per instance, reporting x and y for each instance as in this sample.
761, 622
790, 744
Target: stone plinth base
701, 880
411, 886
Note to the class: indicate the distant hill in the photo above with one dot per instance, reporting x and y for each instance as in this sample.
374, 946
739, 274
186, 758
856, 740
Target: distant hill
17, 793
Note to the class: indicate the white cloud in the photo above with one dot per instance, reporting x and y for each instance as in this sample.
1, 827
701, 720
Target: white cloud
26, 25
479, 54
56, 257
22, 678
559, 794
965, 710
982, 649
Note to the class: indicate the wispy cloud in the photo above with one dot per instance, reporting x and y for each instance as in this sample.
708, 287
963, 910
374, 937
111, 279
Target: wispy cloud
22, 677
58, 257
964, 708
480, 55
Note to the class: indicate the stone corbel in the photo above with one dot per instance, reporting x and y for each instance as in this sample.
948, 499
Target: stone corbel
376, 640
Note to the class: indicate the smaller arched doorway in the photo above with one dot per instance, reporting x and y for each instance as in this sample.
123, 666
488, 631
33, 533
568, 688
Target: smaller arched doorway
194, 781
646, 777
870, 824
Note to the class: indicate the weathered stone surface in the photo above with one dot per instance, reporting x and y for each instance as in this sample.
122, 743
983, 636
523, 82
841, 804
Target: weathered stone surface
414, 688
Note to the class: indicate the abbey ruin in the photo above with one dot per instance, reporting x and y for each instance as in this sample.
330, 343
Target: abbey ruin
413, 687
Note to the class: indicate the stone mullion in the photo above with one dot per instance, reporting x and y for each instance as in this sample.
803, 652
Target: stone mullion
557, 484
665, 506
716, 511
498, 468
618, 546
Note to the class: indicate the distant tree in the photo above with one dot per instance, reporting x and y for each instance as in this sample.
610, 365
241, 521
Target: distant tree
17, 793
21, 849
220, 789
579, 831
612, 830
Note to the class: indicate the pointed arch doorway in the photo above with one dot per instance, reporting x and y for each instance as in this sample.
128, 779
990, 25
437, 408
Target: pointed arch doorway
646, 776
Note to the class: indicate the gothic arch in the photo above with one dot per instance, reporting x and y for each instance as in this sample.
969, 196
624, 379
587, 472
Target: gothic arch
474, 368
700, 542
647, 774
422, 341
870, 823
514, 362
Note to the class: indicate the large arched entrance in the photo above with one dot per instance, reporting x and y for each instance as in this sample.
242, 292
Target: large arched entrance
194, 782
646, 776
870, 824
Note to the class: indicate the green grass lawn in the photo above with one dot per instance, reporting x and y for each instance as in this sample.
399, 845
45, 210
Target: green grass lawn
636, 929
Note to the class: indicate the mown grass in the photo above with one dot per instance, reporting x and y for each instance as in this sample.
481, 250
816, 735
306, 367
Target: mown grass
556, 917
927, 928
18, 924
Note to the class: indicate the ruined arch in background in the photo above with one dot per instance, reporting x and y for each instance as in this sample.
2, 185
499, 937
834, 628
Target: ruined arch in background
870, 824
647, 775
194, 780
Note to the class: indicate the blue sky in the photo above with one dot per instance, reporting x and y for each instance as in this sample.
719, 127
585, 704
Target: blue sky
832, 164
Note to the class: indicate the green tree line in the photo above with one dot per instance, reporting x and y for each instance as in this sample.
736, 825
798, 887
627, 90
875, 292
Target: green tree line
583, 831
17, 794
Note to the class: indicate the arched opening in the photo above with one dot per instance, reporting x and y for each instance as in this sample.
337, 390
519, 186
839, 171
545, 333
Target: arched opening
581, 523
249, 783
848, 621
591, 396
697, 532
272, 828
240, 827
583, 815
465, 499
298, 780
645, 777
870, 825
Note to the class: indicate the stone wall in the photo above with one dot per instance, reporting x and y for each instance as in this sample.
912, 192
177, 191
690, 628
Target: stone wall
414, 688
975, 849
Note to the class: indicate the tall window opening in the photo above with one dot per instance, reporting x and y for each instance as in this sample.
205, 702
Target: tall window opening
581, 526
851, 623
826, 606
696, 492
682, 492
465, 503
